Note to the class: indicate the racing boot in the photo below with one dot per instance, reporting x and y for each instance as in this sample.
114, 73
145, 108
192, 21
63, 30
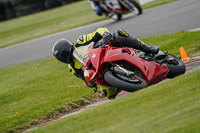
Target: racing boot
109, 93
150, 48
140, 45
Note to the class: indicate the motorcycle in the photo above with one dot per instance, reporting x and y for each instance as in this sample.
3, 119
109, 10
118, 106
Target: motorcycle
126, 69
116, 8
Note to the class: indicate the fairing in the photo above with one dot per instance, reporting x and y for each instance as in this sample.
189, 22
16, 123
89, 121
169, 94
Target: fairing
100, 57
152, 71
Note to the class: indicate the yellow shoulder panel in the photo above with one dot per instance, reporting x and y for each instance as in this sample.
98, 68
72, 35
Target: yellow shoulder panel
99, 30
102, 30
86, 38
82, 39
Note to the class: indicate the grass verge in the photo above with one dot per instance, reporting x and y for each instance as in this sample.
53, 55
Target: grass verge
156, 3
52, 21
172, 42
34, 92
170, 107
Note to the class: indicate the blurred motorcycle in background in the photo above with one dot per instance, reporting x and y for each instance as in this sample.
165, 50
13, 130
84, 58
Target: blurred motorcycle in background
116, 8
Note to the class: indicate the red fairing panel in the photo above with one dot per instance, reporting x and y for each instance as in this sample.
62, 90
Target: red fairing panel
153, 72
96, 58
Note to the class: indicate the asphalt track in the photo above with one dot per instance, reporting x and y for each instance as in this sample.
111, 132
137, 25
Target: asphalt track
173, 17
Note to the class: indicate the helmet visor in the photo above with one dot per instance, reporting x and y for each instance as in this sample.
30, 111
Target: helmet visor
65, 56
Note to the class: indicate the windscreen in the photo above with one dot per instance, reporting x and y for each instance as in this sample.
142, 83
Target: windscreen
81, 52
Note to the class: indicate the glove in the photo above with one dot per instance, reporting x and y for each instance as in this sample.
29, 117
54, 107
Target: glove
92, 85
98, 44
107, 37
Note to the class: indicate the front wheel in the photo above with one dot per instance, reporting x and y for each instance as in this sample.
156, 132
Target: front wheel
134, 7
175, 66
127, 83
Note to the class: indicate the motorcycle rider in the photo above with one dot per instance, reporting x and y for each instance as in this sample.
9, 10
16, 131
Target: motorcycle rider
63, 51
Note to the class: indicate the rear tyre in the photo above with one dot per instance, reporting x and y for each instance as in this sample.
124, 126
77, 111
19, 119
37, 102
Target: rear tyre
117, 16
129, 84
175, 66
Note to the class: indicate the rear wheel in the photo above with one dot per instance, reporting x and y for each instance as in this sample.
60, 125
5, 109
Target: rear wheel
175, 66
128, 83
117, 16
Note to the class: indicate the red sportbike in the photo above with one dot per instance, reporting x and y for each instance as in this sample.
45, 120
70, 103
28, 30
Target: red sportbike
125, 69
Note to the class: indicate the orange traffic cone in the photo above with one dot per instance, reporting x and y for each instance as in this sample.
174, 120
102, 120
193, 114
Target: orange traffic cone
183, 54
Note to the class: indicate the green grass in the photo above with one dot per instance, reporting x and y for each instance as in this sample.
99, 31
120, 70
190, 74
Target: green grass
172, 42
35, 92
51, 21
156, 3
32, 92
170, 107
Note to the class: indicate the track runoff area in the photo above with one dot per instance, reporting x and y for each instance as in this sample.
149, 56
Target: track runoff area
191, 64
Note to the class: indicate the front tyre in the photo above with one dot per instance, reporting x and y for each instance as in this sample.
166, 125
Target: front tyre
134, 7
175, 66
122, 82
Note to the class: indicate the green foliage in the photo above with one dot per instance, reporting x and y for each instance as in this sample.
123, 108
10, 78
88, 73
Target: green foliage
170, 107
